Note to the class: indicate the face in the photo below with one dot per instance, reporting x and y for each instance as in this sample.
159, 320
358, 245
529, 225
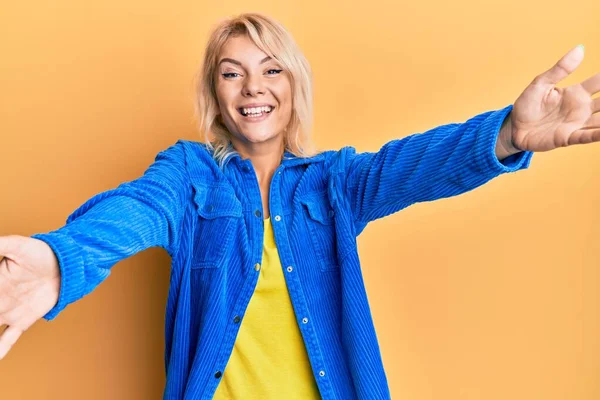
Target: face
254, 93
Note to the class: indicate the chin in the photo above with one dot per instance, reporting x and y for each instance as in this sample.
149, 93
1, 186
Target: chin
257, 137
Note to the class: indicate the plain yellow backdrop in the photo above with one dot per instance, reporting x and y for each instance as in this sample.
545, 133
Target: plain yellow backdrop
493, 294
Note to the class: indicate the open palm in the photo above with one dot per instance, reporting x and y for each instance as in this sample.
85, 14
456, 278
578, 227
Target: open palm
29, 285
545, 117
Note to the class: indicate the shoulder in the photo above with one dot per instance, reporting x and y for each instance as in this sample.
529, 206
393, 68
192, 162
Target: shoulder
192, 149
338, 161
199, 162
190, 152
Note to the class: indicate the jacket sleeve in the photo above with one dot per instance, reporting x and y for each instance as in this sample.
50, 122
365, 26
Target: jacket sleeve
442, 162
119, 223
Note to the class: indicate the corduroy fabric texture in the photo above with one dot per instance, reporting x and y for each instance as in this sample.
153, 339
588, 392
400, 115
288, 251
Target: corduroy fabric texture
210, 222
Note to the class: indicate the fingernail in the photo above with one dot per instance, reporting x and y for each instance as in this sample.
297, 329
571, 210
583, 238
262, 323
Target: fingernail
582, 47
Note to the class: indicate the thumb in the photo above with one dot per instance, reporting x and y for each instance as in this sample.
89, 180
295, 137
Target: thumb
565, 66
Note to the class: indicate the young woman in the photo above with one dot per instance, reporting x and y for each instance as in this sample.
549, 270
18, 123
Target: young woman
266, 295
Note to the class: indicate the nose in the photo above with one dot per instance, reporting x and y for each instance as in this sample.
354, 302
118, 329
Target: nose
253, 85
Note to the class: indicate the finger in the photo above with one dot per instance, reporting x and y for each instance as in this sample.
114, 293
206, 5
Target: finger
8, 339
583, 136
592, 122
562, 68
592, 84
596, 105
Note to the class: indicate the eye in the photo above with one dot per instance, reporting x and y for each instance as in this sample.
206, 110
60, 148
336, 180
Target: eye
274, 71
230, 74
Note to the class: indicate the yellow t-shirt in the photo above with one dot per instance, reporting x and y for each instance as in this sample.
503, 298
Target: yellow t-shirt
269, 359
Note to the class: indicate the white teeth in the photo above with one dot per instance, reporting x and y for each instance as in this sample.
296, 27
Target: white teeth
256, 111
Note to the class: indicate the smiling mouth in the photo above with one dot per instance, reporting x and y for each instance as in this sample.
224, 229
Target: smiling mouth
255, 112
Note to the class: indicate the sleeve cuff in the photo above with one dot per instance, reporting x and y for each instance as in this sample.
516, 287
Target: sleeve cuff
485, 147
71, 269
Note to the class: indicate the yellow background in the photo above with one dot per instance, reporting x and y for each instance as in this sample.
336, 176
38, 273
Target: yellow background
494, 294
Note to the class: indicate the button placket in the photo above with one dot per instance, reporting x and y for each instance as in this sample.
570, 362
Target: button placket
293, 281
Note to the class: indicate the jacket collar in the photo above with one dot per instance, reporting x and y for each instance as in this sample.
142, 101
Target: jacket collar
288, 160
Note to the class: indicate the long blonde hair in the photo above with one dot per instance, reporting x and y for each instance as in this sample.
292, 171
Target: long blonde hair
275, 41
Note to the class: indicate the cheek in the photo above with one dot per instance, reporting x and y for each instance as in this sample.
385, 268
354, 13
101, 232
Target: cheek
224, 95
220, 99
285, 100
289, 106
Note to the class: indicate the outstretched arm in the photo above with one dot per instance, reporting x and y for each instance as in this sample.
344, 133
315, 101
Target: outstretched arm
118, 223
42, 274
456, 158
442, 162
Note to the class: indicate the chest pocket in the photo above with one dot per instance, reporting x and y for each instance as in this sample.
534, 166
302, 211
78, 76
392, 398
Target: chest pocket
321, 226
219, 213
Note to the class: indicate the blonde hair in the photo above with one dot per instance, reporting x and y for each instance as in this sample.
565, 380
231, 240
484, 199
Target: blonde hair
275, 41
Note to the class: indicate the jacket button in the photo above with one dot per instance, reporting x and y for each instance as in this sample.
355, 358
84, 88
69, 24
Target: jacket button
321, 373
210, 208
257, 213
305, 320
257, 266
218, 374
236, 319
277, 218
290, 268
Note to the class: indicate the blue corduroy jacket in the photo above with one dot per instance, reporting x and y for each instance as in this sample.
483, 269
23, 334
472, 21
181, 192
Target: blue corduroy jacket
210, 221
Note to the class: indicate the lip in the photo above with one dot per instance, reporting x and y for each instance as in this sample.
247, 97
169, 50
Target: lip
258, 119
255, 105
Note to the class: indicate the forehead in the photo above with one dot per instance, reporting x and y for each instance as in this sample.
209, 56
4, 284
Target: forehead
243, 49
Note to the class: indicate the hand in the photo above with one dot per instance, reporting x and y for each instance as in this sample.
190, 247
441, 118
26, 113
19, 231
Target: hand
545, 117
29, 285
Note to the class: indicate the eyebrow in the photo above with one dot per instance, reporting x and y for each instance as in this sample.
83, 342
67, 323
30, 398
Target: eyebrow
231, 60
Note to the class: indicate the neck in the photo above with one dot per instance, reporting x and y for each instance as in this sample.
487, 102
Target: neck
265, 157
